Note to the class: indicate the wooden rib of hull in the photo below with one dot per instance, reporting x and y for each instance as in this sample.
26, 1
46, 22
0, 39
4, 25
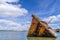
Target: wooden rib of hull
40, 28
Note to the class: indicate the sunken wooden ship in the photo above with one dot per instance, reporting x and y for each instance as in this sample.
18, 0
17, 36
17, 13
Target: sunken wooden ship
40, 28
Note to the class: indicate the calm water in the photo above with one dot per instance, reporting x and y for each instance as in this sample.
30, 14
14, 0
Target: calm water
4, 35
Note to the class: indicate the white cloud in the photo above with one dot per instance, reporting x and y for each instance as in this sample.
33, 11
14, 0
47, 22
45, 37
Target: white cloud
54, 18
10, 25
9, 0
9, 10
54, 26
55, 22
6, 24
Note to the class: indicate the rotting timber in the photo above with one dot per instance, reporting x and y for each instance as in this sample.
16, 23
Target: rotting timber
40, 28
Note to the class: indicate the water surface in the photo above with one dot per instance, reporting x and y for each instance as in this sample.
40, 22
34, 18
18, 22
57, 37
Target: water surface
18, 35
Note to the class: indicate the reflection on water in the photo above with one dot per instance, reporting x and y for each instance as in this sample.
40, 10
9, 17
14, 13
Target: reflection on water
40, 38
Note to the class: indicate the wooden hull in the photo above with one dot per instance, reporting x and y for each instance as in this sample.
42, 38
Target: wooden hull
40, 28
45, 33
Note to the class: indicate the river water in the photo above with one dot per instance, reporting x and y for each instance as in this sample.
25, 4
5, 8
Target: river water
18, 35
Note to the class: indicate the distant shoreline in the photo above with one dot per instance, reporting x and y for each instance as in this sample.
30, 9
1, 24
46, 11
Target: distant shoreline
12, 30
56, 30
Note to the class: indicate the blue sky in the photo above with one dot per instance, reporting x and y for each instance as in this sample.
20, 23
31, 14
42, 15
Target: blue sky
16, 14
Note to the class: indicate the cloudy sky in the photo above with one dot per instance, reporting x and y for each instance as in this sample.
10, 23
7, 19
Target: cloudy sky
16, 14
